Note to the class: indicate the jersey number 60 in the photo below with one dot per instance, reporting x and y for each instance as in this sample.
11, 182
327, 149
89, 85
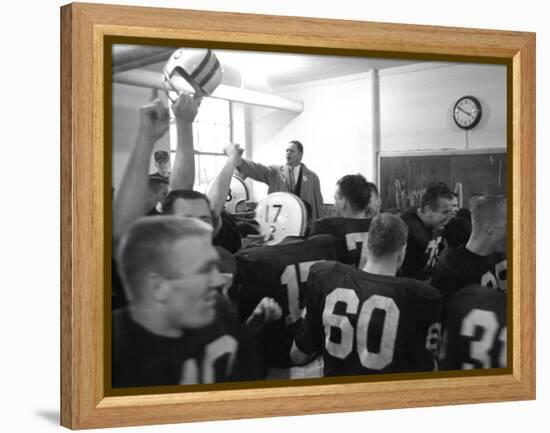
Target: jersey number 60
371, 360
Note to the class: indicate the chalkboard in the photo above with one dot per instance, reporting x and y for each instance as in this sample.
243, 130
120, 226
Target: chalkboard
403, 178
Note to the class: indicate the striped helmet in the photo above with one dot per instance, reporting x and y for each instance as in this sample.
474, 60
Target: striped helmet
199, 67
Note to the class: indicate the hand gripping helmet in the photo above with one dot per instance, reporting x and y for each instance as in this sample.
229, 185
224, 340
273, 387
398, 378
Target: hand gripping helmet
279, 215
237, 196
199, 67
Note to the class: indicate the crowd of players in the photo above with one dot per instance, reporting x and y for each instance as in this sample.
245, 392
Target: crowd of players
363, 292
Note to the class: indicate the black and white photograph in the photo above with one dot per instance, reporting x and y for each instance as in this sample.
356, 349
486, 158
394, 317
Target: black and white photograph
275, 216
286, 216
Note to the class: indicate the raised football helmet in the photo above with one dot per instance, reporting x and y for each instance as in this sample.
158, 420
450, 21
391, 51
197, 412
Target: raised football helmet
197, 66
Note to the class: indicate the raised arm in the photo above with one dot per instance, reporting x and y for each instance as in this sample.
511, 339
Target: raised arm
256, 171
217, 193
183, 173
131, 197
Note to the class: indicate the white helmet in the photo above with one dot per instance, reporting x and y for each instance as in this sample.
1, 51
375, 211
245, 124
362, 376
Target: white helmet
198, 66
279, 215
237, 195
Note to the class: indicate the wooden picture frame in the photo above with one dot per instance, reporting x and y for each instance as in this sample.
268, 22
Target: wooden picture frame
86, 214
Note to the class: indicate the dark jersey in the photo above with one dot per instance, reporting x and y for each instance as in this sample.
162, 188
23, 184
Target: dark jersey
476, 329
118, 297
459, 267
366, 324
228, 236
457, 232
423, 247
219, 352
227, 263
279, 272
351, 235
464, 213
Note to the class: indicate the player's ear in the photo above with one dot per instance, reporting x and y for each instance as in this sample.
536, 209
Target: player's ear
425, 210
428, 210
401, 256
369, 259
345, 204
488, 227
157, 287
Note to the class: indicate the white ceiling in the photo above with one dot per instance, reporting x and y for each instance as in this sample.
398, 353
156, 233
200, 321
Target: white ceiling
265, 71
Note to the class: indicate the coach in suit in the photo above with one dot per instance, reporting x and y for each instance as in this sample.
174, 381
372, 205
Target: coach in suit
292, 177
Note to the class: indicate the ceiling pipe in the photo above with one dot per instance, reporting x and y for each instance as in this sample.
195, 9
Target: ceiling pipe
127, 57
153, 80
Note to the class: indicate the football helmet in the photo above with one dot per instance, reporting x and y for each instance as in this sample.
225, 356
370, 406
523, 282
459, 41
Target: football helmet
237, 196
197, 66
279, 215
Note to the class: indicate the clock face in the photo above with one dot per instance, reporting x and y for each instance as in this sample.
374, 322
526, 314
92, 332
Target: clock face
467, 112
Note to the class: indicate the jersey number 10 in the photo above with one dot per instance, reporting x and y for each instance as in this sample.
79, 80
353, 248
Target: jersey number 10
221, 351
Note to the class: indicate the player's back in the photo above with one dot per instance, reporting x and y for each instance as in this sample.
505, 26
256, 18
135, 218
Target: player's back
476, 329
367, 324
459, 267
279, 272
351, 236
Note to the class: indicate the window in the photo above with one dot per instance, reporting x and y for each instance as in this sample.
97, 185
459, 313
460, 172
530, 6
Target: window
211, 133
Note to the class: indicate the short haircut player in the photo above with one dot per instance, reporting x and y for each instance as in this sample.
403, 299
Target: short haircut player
434, 192
355, 189
387, 235
147, 247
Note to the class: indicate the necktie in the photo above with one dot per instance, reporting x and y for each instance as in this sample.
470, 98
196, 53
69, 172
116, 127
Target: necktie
292, 182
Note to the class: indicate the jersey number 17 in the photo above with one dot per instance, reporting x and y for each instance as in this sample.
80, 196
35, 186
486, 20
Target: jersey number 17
291, 278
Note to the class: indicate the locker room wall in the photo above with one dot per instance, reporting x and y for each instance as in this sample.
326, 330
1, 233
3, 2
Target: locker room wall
335, 129
417, 101
415, 114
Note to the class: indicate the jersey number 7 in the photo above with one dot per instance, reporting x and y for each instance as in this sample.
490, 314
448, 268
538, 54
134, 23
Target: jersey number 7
352, 241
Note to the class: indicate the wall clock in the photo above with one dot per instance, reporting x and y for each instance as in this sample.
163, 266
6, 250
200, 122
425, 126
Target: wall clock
467, 112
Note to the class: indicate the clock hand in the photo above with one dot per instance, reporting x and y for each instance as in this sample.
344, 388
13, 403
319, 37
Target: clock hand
464, 111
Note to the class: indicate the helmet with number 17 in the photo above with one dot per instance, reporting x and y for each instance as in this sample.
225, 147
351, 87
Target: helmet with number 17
281, 214
199, 67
